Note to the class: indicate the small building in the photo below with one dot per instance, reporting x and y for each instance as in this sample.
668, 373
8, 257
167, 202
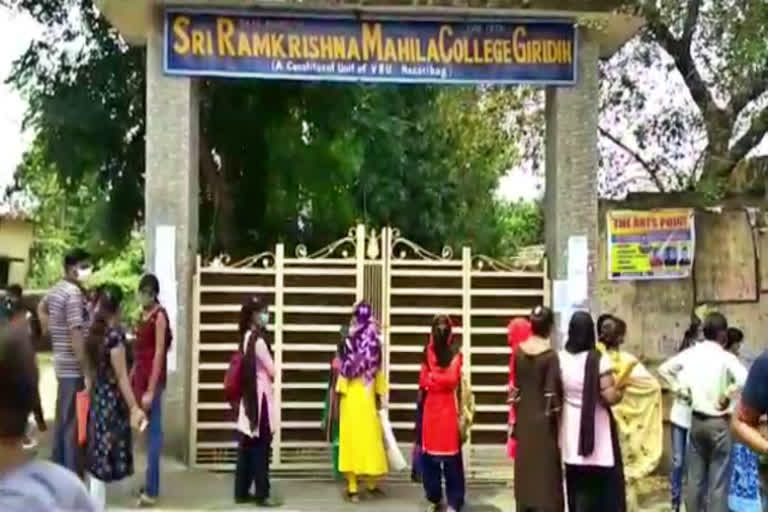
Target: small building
16, 238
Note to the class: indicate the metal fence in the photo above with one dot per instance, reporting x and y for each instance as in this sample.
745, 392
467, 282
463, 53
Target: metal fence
312, 296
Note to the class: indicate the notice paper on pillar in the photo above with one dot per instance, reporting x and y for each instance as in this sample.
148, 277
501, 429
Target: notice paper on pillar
650, 244
562, 308
578, 262
165, 270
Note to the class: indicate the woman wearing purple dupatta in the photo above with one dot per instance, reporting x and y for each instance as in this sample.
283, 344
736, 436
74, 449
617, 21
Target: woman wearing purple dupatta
361, 384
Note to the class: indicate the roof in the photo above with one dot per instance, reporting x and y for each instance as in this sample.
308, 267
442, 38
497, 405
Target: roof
608, 24
10, 212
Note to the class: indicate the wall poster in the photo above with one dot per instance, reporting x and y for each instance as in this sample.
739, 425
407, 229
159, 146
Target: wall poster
652, 244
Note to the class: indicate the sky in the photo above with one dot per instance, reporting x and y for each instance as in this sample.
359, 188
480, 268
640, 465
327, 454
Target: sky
16, 32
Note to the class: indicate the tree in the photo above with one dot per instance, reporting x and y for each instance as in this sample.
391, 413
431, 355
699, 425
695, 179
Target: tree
696, 132
85, 89
60, 215
279, 161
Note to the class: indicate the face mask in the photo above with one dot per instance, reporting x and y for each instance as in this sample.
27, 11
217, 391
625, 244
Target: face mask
84, 273
264, 319
146, 299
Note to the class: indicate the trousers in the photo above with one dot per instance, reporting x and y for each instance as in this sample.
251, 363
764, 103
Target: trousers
435, 468
709, 464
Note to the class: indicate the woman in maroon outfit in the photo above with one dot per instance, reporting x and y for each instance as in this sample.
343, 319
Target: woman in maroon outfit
153, 338
441, 448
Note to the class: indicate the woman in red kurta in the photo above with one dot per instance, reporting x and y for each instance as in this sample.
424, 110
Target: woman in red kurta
518, 331
439, 380
153, 339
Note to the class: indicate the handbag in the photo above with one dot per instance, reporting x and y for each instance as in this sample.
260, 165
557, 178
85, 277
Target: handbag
233, 391
394, 456
82, 405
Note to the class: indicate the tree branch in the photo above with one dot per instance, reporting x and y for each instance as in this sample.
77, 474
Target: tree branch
756, 87
751, 138
680, 51
651, 169
691, 19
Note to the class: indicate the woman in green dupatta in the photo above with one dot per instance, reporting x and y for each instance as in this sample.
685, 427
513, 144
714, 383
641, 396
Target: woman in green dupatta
330, 423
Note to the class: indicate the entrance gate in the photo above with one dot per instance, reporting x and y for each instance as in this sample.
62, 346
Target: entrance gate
312, 296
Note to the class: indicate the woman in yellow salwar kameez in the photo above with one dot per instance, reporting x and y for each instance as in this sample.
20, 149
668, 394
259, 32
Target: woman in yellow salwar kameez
639, 415
361, 385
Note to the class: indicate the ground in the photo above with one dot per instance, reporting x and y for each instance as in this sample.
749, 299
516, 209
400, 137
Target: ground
191, 490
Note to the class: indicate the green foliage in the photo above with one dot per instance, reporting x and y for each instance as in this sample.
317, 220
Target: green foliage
60, 214
124, 271
717, 51
523, 225
279, 161
63, 220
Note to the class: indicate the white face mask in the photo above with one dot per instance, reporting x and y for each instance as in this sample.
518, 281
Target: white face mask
84, 273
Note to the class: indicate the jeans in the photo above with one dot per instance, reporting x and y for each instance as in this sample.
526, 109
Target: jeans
434, 469
709, 465
679, 445
66, 450
154, 446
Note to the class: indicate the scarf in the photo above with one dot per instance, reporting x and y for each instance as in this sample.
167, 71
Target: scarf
249, 381
332, 405
518, 331
362, 354
589, 398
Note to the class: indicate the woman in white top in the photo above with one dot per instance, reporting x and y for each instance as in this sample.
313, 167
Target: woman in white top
256, 418
588, 437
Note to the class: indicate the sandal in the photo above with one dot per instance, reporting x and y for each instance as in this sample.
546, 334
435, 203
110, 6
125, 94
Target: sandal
376, 492
353, 497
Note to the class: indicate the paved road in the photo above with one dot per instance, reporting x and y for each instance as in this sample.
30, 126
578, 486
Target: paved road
191, 490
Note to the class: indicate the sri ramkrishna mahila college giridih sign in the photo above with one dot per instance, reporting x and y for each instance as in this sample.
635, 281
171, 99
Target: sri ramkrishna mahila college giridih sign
241, 44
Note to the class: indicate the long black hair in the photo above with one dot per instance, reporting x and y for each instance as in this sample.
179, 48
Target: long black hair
441, 341
110, 298
691, 334
581, 338
581, 333
542, 321
735, 336
248, 373
150, 284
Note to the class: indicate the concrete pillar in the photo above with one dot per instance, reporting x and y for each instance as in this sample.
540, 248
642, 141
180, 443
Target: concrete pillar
571, 165
171, 196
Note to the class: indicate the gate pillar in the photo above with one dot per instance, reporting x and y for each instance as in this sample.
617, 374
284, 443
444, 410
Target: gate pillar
171, 198
571, 165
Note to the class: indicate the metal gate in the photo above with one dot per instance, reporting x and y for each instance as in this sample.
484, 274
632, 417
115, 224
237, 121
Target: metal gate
312, 296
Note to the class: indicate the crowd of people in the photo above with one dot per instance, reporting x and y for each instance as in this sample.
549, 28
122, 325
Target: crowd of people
107, 389
587, 418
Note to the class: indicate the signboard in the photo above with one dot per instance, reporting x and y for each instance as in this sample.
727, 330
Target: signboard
655, 244
242, 44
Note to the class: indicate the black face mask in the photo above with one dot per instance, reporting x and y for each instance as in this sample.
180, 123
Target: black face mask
442, 333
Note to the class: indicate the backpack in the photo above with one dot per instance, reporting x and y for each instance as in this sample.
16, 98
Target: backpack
466, 408
168, 330
233, 390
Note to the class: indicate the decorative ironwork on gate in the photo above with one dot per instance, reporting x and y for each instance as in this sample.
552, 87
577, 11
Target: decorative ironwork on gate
312, 295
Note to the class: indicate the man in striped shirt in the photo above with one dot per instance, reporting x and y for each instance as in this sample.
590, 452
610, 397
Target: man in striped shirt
63, 314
